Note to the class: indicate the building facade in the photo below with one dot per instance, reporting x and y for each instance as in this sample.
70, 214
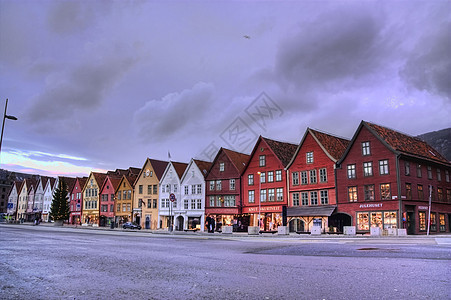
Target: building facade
76, 201
311, 172
13, 199
107, 194
386, 178
223, 189
90, 214
264, 183
48, 198
124, 199
146, 193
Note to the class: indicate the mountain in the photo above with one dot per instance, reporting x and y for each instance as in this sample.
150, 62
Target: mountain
440, 140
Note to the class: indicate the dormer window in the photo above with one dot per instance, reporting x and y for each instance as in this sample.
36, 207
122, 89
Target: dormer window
309, 157
221, 167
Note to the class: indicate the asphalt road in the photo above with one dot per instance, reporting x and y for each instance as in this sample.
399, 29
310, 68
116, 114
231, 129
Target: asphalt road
65, 263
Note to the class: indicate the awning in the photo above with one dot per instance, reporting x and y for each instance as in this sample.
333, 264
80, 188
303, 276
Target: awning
312, 211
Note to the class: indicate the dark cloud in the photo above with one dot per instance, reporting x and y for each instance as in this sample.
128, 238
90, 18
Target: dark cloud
428, 66
175, 114
339, 45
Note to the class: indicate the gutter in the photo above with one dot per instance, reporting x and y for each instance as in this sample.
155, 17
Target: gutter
398, 183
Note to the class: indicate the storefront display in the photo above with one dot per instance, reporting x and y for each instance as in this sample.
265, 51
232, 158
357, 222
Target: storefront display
422, 220
383, 220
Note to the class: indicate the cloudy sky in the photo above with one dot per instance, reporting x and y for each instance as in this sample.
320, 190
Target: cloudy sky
100, 85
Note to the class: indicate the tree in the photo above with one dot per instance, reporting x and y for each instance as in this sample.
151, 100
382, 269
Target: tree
59, 211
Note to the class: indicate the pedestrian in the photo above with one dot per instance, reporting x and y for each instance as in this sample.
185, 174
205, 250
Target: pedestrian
212, 225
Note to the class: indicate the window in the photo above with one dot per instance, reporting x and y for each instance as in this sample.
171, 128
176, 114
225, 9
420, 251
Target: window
323, 175
140, 189
111, 207
352, 194
304, 198
218, 185
140, 203
390, 220
262, 160
119, 195
295, 199
155, 189
446, 175
118, 208
219, 201
429, 172
351, 171
366, 148
124, 207
271, 194
186, 190
129, 194
155, 203
439, 175
185, 204
440, 194
422, 219
175, 188
419, 175
420, 192
433, 222
385, 191
324, 197
212, 185
251, 197
263, 195
368, 169
250, 179
199, 189
442, 222
270, 176
278, 175
262, 177
149, 189
279, 194
363, 221
304, 177
314, 198
295, 179
168, 188
232, 184
448, 196
407, 168
199, 203
383, 167
193, 204
369, 192
408, 191
312, 176
124, 196
229, 201
221, 167
212, 201
193, 189
149, 203
309, 157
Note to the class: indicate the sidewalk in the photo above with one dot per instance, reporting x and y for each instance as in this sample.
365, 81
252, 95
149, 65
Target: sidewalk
245, 234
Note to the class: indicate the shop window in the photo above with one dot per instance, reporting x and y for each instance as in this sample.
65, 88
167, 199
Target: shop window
390, 219
422, 220
442, 222
433, 222
376, 219
363, 221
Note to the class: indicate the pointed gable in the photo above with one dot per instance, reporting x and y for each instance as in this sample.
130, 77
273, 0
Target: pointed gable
179, 168
283, 151
334, 146
239, 160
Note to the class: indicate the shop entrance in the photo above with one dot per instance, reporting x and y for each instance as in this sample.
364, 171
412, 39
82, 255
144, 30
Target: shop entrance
138, 220
179, 223
148, 222
339, 220
410, 222
297, 225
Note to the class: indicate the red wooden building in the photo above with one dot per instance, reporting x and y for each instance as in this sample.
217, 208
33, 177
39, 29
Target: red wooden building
223, 189
312, 198
384, 179
106, 198
76, 201
264, 183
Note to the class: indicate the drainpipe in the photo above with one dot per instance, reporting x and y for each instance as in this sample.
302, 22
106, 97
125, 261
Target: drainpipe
398, 183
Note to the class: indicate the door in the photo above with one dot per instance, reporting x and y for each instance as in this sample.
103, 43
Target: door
147, 222
410, 223
179, 224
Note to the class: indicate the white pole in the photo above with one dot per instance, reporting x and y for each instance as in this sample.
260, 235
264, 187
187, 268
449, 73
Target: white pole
429, 212
260, 197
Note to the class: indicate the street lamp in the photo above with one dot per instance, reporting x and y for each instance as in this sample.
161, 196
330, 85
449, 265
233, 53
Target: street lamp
259, 196
5, 116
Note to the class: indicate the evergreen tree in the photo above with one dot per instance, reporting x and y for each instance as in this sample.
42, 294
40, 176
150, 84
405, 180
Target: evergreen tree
59, 211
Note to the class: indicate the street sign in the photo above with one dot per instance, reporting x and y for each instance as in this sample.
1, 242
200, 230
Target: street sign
172, 197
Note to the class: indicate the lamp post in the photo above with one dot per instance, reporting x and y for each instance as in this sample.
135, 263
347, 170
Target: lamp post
259, 196
5, 116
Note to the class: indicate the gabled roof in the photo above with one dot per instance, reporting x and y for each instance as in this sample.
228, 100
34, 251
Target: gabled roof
114, 179
52, 182
131, 179
159, 166
283, 151
179, 168
333, 146
99, 177
400, 143
134, 171
70, 182
239, 160
203, 166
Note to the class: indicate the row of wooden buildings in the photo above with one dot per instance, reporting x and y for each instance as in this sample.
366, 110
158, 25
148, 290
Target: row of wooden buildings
380, 178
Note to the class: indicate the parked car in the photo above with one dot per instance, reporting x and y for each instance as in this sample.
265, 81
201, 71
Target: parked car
131, 225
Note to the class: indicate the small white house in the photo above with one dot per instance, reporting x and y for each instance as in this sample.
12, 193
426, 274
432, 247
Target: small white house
13, 198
